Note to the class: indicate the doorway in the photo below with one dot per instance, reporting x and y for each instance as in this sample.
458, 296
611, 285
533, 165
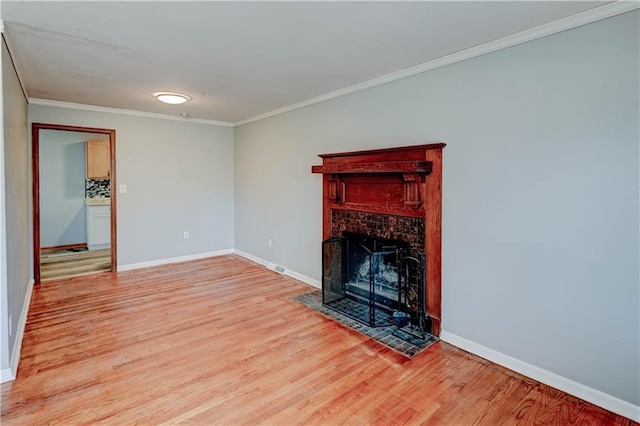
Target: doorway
54, 255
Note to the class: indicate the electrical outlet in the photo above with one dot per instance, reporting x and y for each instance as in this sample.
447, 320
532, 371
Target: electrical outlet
186, 235
268, 242
10, 325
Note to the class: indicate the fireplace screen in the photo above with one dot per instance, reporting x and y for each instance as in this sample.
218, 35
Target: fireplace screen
374, 280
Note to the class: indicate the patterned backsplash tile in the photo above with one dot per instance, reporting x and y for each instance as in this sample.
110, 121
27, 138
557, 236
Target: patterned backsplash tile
97, 188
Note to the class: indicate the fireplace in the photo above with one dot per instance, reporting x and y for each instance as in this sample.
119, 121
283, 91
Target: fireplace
381, 249
376, 281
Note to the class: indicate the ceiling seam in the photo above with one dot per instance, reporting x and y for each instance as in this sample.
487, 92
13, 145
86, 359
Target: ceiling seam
7, 42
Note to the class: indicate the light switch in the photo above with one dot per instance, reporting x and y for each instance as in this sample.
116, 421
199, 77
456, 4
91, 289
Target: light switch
123, 188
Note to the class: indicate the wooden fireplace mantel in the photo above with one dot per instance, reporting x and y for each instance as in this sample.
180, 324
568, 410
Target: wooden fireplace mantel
388, 153
401, 181
378, 167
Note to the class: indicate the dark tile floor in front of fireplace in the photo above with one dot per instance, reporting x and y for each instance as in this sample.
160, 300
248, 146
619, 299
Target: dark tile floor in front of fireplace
384, 335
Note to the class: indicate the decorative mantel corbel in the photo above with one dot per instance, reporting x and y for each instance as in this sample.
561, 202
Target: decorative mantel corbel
412, 190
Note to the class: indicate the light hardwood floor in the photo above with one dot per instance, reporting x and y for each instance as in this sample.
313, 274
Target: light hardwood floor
221, 341
66, 263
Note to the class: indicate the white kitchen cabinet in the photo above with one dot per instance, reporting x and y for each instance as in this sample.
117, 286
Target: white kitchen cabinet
98, 227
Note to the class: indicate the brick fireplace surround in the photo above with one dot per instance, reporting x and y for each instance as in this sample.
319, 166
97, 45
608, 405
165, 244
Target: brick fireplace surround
393, 193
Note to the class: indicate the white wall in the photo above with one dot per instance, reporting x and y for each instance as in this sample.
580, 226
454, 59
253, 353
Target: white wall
15, 225
540, 193
179, 177
63, 217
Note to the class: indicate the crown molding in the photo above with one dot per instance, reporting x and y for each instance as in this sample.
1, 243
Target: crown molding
583, 18
589, 16
109, 110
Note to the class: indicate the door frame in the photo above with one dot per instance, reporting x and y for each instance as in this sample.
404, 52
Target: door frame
35, 177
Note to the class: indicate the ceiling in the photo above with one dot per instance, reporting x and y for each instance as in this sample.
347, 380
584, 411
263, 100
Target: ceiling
238, 60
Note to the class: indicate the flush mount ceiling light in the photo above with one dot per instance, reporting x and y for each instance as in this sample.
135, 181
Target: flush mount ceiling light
171, 98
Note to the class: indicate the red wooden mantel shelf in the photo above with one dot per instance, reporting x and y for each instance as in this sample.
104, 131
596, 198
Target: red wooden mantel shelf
422, 167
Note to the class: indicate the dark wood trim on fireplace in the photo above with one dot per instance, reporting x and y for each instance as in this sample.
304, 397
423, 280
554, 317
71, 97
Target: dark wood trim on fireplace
380, 167
401, 181
383, 151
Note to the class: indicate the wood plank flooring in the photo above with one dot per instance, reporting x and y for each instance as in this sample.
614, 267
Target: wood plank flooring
65, 263
221, 341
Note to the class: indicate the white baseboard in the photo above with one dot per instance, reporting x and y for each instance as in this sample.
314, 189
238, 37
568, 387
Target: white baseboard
305, 279
254, 259
581, 391
6, 375
288, 272
173, 260
9, 374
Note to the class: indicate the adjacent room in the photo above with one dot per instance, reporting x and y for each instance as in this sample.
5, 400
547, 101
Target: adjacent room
320, 213
74, 203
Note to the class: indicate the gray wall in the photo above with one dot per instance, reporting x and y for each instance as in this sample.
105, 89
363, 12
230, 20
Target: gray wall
16, 237
4, 329
179, 177
63, 217
540, 194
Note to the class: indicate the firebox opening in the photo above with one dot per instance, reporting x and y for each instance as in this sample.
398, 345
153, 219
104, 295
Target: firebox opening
373, 280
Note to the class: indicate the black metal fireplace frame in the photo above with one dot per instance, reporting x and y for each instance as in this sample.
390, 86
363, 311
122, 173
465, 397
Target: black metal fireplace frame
356, 299
416, 307
341, 296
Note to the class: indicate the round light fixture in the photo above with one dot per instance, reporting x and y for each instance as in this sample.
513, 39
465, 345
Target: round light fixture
171, 98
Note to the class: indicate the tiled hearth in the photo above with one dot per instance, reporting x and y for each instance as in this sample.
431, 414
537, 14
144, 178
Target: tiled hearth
388, 336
